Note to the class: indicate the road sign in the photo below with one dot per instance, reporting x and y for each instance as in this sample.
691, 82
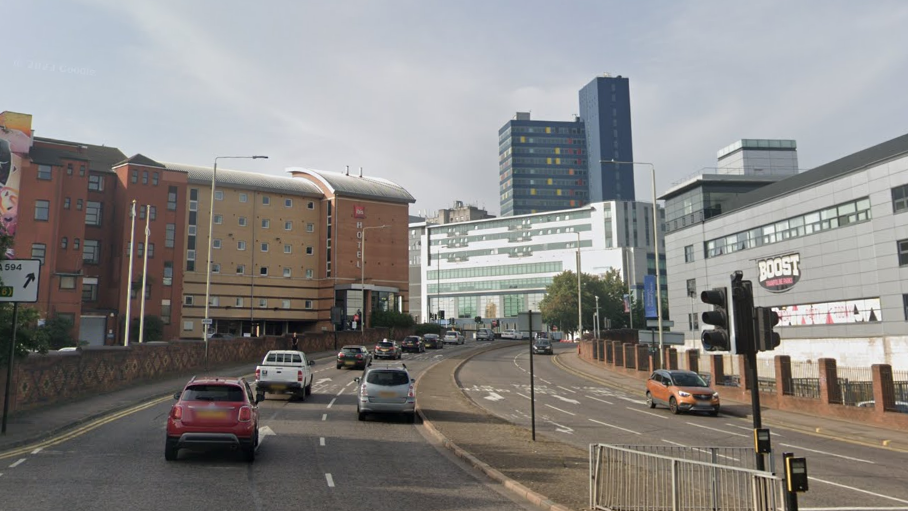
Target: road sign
206, 321
19, 280
654, 323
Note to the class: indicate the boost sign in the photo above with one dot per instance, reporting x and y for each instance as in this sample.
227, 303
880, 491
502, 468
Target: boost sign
779, 274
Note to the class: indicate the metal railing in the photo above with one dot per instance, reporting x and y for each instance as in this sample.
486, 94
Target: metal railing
641, 479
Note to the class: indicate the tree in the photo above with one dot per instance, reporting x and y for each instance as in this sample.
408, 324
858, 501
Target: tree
58, 332
29, 338
153, 329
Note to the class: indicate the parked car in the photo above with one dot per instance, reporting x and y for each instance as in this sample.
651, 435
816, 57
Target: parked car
900, 406
542, 347
485, 334
213, 413
515, 334
354, 357
681, 391
225, 336
284, 372
433, 341
386, 388
453, 337
387, 349
413, 343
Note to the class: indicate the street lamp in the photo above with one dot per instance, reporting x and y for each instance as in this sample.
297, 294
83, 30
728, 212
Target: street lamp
362, 282
656, 250
579, 308
207, 321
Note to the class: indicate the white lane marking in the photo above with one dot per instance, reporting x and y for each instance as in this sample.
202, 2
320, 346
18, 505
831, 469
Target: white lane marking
16, 464
521, 395
324, 416
322, 381
330, 480
493, 397
560, 410
349, 383
547, 381
333, 399
638, 401
321, 441
715, 429
648, 413
341, 391
36, 451
858, 490
567, 389
264, 432
600, 400
616, 427
566, 400
828, 453
561, 428
699, 450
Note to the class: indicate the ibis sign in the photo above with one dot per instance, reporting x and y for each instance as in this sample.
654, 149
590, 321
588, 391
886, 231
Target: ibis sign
780, 273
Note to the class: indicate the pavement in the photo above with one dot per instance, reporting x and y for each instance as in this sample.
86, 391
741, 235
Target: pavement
549, 474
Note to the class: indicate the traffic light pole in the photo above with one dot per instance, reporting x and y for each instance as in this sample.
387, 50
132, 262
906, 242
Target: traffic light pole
751, 358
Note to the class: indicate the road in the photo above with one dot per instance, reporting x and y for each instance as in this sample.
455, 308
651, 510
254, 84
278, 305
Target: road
313, 455
572, 409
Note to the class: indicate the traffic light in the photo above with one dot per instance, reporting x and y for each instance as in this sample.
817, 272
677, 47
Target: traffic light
743, 307
717, 339
764, 319
441, 314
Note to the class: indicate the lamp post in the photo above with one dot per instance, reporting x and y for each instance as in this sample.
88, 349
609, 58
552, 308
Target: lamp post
362, 282
579, 308
206, 323
656, 249
596, 326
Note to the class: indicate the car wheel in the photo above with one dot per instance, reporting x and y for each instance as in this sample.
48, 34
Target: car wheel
360, 415
715, 413
673, 406
171, 450
309, 388
649, 400
249, 453
339, 366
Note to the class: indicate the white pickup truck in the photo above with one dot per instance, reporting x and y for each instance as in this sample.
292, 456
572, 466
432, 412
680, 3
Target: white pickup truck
284, 372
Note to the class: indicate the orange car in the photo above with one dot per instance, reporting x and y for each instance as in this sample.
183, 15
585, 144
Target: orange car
681, 391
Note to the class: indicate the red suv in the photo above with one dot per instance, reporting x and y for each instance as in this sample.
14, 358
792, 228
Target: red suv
211, 413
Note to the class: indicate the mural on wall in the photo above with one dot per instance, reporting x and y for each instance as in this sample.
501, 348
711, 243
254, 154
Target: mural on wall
830, 313
15, 142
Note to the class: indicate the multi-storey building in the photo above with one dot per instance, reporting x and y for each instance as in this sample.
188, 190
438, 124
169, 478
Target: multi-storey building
605, 108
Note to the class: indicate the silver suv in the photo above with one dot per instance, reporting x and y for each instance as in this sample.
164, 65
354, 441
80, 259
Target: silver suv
386, 388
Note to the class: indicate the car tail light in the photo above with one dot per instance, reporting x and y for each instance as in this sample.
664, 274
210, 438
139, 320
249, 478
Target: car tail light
340, 355
176, 413
299, 375
410, 391
258, 373
245, 414
359, 357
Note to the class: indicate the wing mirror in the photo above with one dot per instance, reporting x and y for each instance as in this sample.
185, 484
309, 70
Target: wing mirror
311, 362
176, 395
412, 380
356, 379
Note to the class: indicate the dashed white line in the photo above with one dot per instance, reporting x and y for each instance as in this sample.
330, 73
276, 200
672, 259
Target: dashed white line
521, 395
567, 389
648, 413
828, 453
560, 410
859, 490
715, 429
349, 383
321, 441
616, 427
700, 450
330, 480
324, 416
332, 402
16, 464
342, 391
36, 451
600, 400
547, 381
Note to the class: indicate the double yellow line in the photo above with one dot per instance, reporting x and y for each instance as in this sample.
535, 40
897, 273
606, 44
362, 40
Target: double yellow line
85, 428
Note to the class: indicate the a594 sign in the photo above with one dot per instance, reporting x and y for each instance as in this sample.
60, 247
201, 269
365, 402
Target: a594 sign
19, 280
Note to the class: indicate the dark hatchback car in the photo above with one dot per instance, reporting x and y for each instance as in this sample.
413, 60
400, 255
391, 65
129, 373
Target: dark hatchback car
433, 341
354, 357
542, 347
413, 343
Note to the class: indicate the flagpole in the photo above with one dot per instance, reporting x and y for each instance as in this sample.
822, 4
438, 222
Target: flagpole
132, 239
144, 276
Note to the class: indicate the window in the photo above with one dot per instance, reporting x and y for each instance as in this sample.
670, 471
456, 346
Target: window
215, 268
154, 213
192, 230
81, 170
218, 219
167, 280
66, 203
187, 326
42, 210
266, 223
172, 198
288, 249
188, 300
151, 250
38, 251
308, 304
79, 204
69, 169
64, 242
288, 225
241, 269
241, 245
144, 177
193, 205
689, 254
238, 302
266, 200
76, 243
44, 171
93, 213
287, 272
216, 244
141, 248
692, 288
244, 197
263, 303
218, 195
903, 252
900, 199
310, 227
263, 271
165, 311
310, 205
214, 301
310, 250
89, 290
142, 212
242, 221
169, 235
288, 203
96, 183
91, 252
264, 247
154, 178
310, 273
285, 304
190, 255
67, 282
135, 176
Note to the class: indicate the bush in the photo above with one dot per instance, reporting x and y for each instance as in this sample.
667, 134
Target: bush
154, 329
58, 332
427, 328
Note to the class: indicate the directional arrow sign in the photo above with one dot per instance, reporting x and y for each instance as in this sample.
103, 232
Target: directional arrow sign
19, 280
493, 397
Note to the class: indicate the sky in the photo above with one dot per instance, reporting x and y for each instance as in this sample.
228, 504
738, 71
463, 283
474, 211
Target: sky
415, 91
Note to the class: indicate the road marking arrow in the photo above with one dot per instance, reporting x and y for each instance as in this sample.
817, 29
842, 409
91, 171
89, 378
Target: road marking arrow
322, 380
562, 429
566, 400
493, 397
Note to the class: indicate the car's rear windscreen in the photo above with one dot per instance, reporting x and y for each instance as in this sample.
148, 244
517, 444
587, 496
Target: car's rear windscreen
230, 393
388, 378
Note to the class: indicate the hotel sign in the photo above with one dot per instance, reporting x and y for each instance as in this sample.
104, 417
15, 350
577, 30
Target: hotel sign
781, 273
359, 211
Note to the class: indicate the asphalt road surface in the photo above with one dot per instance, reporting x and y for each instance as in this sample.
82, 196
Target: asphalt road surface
569, 408
313, 455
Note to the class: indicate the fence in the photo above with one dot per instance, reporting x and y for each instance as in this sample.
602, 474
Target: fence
624, 478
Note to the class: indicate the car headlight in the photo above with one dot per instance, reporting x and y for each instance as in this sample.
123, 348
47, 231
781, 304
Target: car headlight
683, 394
715, 395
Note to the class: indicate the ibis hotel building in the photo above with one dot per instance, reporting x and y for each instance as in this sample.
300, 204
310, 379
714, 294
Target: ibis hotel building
826, 248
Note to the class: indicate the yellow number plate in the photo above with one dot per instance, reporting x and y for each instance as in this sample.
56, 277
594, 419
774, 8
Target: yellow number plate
212, 414
387, 394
